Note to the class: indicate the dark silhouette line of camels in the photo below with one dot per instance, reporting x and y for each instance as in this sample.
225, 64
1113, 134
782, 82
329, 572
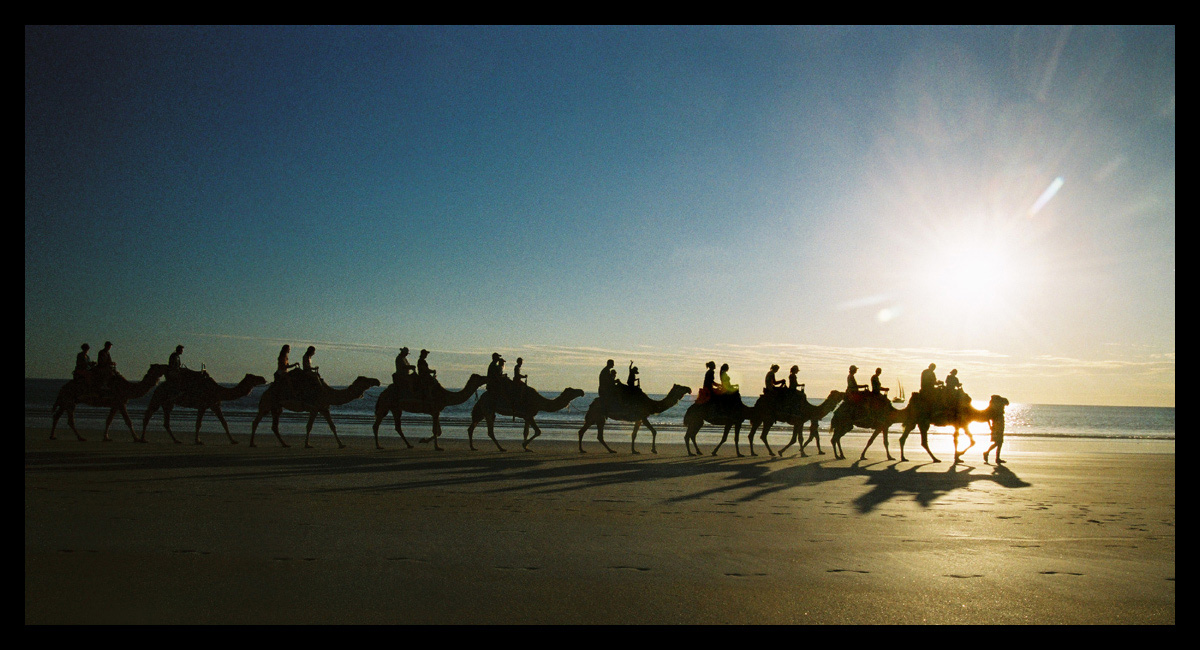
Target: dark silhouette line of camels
628, 404
277, 398
516, 400
398, 398
791, 407
115, 397
196, 391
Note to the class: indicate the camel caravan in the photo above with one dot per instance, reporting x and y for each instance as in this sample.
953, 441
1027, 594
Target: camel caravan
415, 388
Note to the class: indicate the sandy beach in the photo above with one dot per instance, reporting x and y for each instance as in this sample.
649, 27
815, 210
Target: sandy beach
1067, 532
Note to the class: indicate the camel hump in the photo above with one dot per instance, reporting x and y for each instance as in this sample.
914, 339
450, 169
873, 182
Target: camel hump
630, 392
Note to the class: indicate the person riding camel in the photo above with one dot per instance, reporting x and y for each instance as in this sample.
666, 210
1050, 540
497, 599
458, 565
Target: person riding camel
709, 388
727, 387
877, 387
793, 382
83, 364
519, 377
608, 378
770, 383
495, 372
853, 389
312, 375
426, 376
404, 371
282, 366
632, 380
105, 368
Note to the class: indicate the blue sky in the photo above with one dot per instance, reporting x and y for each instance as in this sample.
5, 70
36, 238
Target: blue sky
818, 196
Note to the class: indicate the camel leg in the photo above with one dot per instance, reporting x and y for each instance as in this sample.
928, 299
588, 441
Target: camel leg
491, 425
312, 417
885, 445
874, 435
970, 442
471, 431
128, 422
70, 422
600, 437
199, 419
112, 413
224, 425
400, 431
586, 423
814, 433
167, 410
723, 438
329, 420
689, 439
795, 435
766, 428
437, 432
653, 436
537, 431
753, 428
737, 433
375, 427
925, 443
835, 441
633, 437
275, 413
146, 416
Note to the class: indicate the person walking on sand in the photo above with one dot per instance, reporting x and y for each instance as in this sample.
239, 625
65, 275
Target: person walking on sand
997, 426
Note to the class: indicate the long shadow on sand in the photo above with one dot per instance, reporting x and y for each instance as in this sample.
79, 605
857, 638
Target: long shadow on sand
740, 480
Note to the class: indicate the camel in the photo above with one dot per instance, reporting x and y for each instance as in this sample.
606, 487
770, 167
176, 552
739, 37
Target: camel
196, 391
629, 404
276, 398
398, 398
870, 411
793, 408
517, 400
720, 409
958, 416
115, 397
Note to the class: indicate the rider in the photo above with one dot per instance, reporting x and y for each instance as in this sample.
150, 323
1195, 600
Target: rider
608, 377
495, 371
426, 376
633, 380
770, 382
793, 382
519, 377
710, 383
877, 385
282, 367
404, 369
952, 381
105, 368
727, 387
83, 363
928, 380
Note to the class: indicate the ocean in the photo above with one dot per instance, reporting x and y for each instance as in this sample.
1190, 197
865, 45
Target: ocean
355, 420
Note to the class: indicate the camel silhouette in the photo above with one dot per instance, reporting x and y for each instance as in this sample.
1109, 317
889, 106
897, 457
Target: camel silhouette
196, 390
872, 412
516, 400
791, 407
726, 409
115, 397
277, 398
398, 398
958, 414
628, 404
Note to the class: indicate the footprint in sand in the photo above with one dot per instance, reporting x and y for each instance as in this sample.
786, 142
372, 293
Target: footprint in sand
1064, 573
631, 568
964, 575
744, 575
846, 571
519, 568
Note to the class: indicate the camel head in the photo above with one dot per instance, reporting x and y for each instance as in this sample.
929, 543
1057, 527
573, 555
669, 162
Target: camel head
997, 404
570, 394
253, 380
156, 371
679, 391
361, 384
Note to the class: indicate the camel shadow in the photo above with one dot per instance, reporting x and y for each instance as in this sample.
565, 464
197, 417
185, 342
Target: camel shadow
743, 480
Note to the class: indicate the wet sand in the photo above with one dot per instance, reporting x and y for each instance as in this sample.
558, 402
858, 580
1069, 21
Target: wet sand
1068, 532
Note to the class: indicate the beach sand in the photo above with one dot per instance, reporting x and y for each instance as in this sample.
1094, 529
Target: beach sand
161, 533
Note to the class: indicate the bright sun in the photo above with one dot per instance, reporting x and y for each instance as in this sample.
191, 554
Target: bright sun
972, 270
